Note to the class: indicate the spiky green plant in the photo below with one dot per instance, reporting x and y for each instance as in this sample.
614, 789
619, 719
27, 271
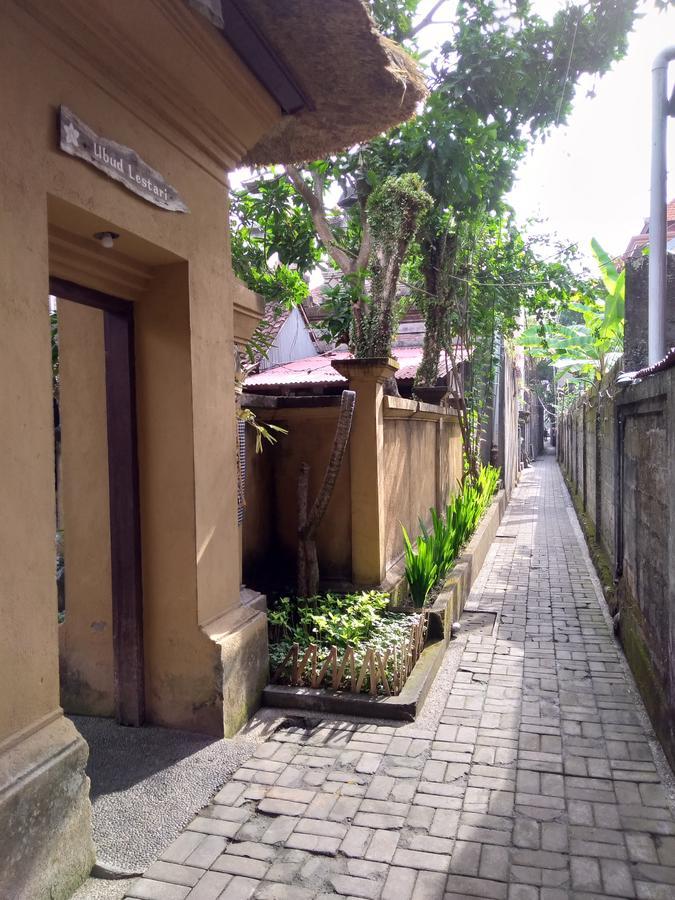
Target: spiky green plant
439, 546
421, 571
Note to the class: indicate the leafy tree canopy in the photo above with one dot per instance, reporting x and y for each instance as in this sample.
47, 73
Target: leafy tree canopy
501, 77
582, 337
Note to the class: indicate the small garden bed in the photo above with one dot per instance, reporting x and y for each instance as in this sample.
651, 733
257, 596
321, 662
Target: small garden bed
297, 692
355, 644
346, 642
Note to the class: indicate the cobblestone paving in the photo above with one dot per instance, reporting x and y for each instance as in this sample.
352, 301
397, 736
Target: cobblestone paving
536, 783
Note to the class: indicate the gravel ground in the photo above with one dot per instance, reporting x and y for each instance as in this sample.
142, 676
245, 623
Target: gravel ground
98, 889
147, 784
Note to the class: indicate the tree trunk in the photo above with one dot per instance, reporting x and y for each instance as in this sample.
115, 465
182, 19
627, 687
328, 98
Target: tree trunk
308, 563
303, 491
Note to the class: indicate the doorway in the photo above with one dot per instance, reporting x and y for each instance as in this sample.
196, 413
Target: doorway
123, 556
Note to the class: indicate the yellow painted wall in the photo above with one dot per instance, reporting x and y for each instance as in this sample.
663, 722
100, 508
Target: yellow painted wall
86, 635
410, 471
28, 636
180, 662
259, 529
310, 439
421, 463
156, 78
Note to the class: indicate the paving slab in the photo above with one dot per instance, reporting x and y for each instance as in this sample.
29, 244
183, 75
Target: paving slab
532, 774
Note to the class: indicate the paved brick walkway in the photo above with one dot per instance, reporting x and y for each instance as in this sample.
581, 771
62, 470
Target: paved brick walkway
536, 783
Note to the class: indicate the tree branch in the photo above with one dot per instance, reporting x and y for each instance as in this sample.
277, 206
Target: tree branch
364, 250
427, 20
342, 259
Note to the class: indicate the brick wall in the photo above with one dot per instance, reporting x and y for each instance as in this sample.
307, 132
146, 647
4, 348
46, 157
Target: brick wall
617, 448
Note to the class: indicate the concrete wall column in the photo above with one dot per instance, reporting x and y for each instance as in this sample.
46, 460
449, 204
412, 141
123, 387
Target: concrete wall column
46, 851
366, 455
182, 685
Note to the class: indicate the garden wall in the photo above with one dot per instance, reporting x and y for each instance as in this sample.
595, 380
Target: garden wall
617, 448
422, 465
269, 537
411, 454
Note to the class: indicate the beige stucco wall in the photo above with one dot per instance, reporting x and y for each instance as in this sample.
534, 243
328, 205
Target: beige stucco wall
259, 529
156, 78
422, 467
123, 99
410, 473
86, 641
181, 664
451, 459
271, 516
420, 462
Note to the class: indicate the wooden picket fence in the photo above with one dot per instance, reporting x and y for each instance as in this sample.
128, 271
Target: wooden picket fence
336, 673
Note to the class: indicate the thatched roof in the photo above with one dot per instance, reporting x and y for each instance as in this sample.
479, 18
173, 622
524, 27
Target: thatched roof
357, 82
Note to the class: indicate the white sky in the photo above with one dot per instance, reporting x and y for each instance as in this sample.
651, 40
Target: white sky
591, 177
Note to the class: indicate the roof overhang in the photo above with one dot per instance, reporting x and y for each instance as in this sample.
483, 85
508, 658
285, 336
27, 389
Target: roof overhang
336, 80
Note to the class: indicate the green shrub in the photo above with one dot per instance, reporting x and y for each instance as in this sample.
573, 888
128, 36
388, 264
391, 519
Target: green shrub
421, 570
330, 619
358, 620
438, 548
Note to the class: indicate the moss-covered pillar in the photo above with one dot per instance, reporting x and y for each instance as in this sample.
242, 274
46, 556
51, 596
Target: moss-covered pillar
366, 459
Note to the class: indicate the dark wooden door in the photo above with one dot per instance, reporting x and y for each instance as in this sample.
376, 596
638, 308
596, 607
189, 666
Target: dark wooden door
125, 531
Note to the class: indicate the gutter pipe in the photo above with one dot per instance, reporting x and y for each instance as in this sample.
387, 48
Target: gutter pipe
657, 218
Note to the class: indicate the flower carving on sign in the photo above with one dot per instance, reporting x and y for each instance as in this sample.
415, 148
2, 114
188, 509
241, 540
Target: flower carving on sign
71, 134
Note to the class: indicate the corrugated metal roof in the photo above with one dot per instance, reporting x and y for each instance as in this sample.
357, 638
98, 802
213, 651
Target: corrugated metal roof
318, 371
639, 241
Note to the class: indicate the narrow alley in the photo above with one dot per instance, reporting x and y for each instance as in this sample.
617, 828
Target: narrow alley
538, 781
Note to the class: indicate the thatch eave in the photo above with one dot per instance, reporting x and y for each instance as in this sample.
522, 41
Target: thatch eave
358, 83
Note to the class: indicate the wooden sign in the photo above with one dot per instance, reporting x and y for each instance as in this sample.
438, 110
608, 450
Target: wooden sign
117, 161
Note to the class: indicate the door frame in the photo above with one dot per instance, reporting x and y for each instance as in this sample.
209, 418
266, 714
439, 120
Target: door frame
125, 519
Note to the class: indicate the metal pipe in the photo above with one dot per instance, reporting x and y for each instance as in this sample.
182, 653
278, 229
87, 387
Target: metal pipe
657, 217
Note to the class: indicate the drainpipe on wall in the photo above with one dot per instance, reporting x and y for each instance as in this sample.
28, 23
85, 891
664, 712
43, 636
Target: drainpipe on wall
618, 494
657, 218
495, 454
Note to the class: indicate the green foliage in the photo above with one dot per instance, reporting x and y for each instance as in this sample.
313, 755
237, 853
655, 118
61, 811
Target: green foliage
394, 17
395, 210
268, 217
519, 70
477, 277
421, 570
615, 300
358, 620
462, 516
503, 77
339, 301
583, 338
264, 431
331, 619
438, 548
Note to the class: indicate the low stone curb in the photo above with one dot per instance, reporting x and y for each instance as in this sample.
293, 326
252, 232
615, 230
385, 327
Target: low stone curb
446, 609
